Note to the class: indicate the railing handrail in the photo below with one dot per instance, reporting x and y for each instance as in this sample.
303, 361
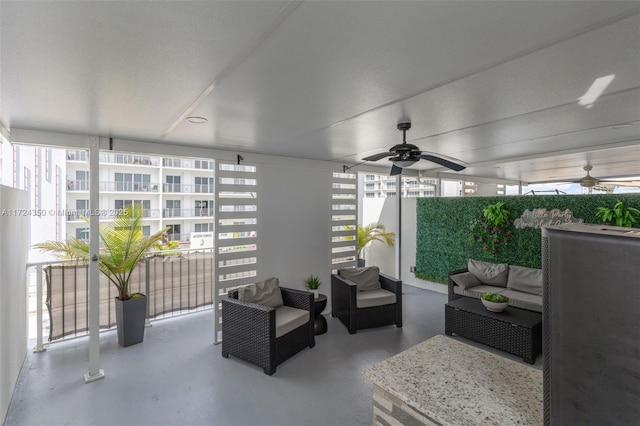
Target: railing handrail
77, 262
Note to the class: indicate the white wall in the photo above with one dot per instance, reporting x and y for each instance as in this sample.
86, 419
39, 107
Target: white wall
379, 254
14, 248
294, 225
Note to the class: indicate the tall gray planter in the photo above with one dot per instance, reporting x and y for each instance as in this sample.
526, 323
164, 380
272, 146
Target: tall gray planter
130, 317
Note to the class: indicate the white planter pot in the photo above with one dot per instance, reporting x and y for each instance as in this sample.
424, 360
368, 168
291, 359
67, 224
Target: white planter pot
494, 307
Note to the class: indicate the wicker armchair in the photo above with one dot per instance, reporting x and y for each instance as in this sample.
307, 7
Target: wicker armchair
344, 304
249, 330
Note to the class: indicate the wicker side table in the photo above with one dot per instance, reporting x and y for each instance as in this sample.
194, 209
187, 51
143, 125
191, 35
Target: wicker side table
514, 330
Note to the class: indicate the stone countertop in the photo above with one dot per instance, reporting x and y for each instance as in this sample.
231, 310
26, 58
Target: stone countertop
458, 384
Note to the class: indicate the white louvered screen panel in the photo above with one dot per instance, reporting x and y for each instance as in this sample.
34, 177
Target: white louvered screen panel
344, 216
236, 232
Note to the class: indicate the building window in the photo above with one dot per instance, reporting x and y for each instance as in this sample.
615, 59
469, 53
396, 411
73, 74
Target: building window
47, 164
132, 182
26, 179
204, 184
173, 208
203, 208
81, 183
172, 184
204, 164
203, 227
122, 204
82, 234
173, 232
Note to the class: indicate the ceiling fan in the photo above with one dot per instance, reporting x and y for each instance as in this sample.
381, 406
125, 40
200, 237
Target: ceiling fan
405, 154
589, 181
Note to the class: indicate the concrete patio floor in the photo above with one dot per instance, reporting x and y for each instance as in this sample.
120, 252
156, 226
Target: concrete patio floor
178, 377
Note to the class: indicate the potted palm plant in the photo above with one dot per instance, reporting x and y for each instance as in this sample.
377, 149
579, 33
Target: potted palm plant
370, 233
123, 246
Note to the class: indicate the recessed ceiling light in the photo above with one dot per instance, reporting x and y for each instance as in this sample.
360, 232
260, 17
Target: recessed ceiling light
197, 120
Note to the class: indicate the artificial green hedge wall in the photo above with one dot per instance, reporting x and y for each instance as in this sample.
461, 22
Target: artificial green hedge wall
442, 241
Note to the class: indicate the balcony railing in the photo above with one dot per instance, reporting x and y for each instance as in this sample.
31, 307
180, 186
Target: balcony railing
129, 159
79, 155
187, 188
77, 185
106, 214
183, 163
129, 187
176, 236
187, 212
175, 282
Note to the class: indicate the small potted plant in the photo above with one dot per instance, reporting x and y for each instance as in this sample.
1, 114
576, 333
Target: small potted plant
495, 302
312, 283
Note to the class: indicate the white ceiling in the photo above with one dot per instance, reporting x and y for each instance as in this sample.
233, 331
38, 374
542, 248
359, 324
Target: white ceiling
494, 84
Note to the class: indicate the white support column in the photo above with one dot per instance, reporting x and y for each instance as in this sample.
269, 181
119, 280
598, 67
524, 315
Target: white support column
39, 346
95, 372
398, 245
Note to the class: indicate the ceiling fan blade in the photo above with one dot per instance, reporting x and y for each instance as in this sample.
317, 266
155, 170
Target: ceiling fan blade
443, 162
376, 157
631, 183
395, 170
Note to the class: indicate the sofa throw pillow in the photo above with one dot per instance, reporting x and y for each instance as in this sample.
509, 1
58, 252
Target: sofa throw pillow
367, 278
527, 280
265, 293
489, 273
465, 280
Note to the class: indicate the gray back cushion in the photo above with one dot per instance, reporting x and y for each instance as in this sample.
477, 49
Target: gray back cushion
528, 280
365, 279
465, 280
265, 293
489, 273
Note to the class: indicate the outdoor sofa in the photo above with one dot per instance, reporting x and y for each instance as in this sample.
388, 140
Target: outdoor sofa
523, 286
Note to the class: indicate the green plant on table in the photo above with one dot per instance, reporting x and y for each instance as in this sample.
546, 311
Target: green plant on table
495, 298
618, 215
312, 282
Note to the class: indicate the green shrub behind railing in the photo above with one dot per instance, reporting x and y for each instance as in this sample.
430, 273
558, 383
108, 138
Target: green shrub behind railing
442, 240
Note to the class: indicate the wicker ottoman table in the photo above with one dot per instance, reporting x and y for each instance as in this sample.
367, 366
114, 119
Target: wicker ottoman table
513, 330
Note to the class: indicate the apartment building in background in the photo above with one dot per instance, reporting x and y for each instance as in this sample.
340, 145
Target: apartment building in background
177, 193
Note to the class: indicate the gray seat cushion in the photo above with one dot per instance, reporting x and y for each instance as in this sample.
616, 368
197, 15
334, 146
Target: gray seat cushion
265, 293
365, 279
288, 319
478, 291
518, 299
379, 297
528, 280
489, 273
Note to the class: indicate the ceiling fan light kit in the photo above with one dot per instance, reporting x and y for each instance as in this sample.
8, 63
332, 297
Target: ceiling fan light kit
406, 154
